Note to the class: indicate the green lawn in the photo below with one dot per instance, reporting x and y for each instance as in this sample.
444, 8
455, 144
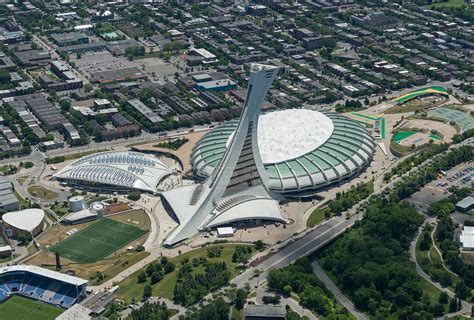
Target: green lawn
19, 308
317, 216
406, 108
431, 291
21, 180
97, 241
21, 201
42, 193
363, 116
399, 148
130, 288
74, 156
449, 3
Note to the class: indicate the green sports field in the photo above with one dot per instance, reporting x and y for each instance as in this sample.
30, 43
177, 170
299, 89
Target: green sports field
97, 241
19, 308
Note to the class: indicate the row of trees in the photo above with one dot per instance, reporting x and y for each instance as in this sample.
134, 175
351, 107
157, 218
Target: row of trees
415, 160
345, 200
463, 136
412, 183
349, 105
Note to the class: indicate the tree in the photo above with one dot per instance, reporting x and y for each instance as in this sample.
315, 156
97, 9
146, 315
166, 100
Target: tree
168, 267
155, 311
443, 298
134, 195
87, 87
217, 309
147, 291
24, 238
438, 310
315, 299
453, 306
425, 243
4, 76
240, 297
242, 254
65, 105
156, 277
142, 277
461, 289
259, 245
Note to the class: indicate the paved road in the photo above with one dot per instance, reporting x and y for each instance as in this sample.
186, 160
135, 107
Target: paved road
337, 293
466, 307
303, 246
313, 240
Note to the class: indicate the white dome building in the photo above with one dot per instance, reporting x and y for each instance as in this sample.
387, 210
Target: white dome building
302, 150
28, 220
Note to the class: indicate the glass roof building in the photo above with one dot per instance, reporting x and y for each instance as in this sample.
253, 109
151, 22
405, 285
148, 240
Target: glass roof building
116, 170
302, 150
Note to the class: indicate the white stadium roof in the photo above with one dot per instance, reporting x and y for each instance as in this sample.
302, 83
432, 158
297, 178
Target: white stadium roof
467, 238
124, 169
26, 220
45, 273
291, 133
301, 149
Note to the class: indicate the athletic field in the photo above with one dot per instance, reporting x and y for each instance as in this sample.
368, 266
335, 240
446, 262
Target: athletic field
19, 308
97, 241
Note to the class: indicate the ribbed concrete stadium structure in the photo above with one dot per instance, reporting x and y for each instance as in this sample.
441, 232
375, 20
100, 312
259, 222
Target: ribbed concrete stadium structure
302, 150
115, 170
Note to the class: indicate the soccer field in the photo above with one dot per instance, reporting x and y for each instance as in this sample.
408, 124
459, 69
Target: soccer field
19, 308
97, 241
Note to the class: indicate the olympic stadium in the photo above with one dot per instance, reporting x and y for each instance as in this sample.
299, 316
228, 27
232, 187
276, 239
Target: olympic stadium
124, 170
302, 150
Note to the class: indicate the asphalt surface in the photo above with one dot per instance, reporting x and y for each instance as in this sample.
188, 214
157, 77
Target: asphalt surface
337, 293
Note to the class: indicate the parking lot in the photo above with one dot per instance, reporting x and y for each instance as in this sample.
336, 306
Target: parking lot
92, 62
460, 177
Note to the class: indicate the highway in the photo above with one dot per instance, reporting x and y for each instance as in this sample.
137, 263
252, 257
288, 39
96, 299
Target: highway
305, 245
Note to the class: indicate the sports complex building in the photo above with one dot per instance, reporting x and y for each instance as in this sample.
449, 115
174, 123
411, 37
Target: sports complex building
302, 150
28, 220
41, 284
252, 163
115, 171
